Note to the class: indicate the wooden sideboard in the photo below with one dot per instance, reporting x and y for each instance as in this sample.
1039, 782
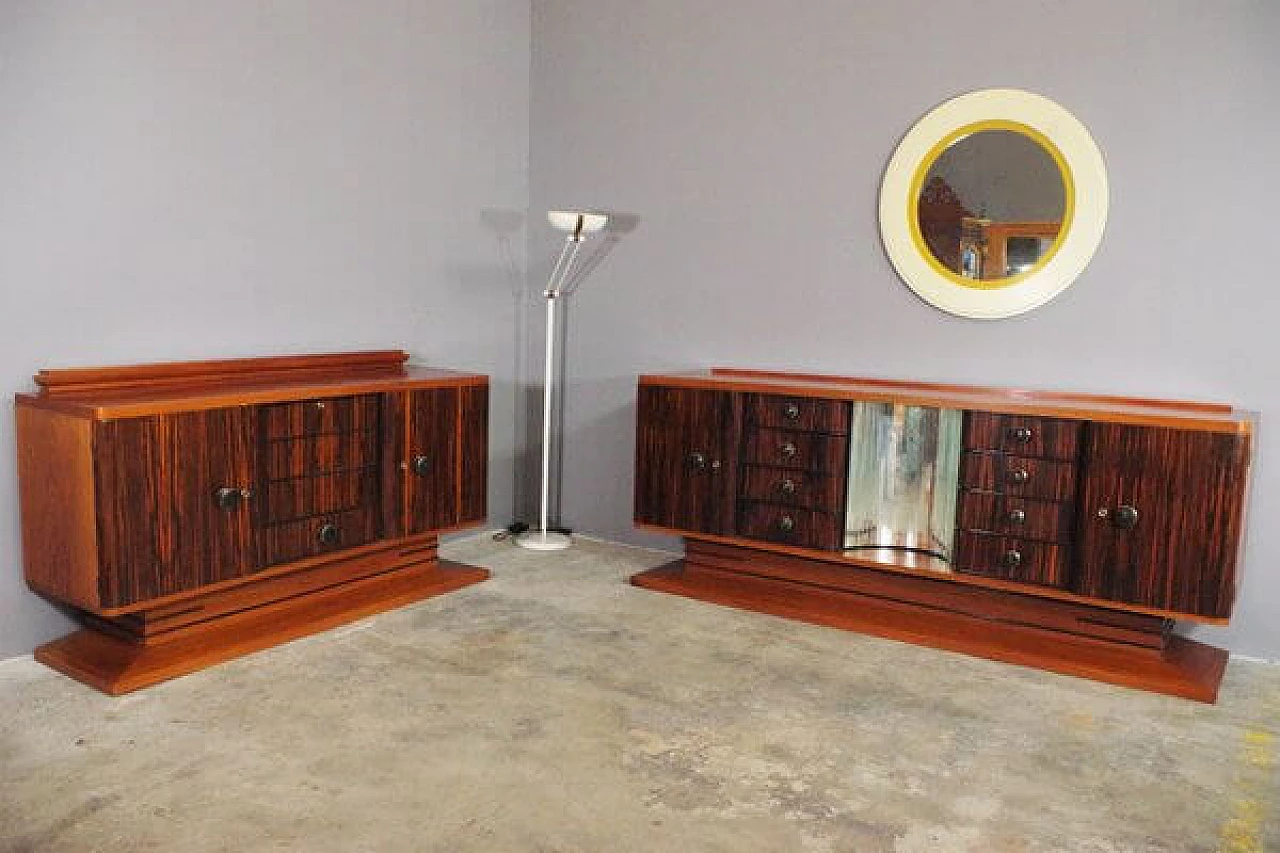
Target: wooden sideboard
1084, 526
194, 512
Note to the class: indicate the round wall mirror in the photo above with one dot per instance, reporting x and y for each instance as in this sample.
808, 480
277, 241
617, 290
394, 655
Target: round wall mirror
993, 203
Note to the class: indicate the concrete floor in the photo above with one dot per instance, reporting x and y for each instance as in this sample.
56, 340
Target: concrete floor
555, 708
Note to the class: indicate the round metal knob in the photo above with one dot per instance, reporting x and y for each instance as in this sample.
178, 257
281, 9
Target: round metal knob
786, 524
228, 498
1125, 517
421, 465
1016, 516
791, 412
697, 461
787, 486
328, 534
1022, 435
788, 450
1019, 475
1012, 559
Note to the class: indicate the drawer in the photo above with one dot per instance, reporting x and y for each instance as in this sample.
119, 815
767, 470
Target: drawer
1047, 438
1010, 558
803, 528
806, 451
1018, 475
1048, 521
792, 488
321, 454
303, 497
802, 413
317, 417
309, 537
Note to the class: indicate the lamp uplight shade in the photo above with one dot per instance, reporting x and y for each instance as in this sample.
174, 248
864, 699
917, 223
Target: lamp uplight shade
567, 220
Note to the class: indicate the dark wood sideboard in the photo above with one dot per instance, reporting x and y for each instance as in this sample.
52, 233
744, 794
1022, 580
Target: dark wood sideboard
1086, 526
195, 512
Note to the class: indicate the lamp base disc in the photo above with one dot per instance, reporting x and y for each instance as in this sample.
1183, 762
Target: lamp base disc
543, 540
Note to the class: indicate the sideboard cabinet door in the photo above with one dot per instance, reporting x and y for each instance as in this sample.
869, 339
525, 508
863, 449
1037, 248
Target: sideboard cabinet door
445, 464
686, 453
163, 528
1160, 517
432, 494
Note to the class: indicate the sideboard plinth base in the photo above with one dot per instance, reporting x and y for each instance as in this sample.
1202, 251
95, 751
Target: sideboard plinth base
1127, 649
128, 653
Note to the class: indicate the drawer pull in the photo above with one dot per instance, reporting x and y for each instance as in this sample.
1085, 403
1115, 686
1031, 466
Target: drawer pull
697, 461
1019, 475
791, 412
328, 534
1022, 435
787, 486
421, 465
320, 404
229, 499
1012, 559
788, 450
786, 524
1016, 516
1125, 517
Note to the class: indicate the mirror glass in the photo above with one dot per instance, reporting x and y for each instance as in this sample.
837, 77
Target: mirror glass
992, 204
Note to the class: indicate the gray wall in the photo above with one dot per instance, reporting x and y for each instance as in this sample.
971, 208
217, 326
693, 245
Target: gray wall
750, 136
199, 180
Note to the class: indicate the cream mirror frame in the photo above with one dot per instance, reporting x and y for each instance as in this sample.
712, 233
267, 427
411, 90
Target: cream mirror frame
1084, 178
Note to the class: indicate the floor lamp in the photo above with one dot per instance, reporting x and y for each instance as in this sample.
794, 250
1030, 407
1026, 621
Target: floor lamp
578, 224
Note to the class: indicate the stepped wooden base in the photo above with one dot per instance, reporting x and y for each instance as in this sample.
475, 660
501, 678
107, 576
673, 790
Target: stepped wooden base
128, 653
1128, 649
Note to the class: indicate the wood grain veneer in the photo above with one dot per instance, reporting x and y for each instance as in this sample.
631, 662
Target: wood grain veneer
59, 526
1013, 629
154, 493
1213, 417
1119, 504
116, 666
1024, 435
1177, 481
1023, 476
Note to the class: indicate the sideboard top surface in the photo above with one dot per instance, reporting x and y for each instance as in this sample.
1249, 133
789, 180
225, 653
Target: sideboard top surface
151, 389
1179, 414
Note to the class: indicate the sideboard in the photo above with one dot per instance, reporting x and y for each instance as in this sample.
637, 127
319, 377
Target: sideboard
194, 512
1069, 532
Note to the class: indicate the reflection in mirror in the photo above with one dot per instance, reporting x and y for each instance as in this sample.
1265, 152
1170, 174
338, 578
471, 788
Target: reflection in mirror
992, 204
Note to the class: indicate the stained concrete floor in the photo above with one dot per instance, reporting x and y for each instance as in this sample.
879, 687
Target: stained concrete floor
555, 708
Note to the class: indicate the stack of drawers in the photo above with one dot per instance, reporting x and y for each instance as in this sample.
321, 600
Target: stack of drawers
1015, 517
795, 451
318, 477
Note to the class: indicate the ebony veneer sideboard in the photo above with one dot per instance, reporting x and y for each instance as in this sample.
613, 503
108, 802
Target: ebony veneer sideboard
1069, 532
194, 512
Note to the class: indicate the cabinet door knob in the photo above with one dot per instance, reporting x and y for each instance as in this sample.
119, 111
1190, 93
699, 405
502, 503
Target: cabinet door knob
788, 450
791, 412
1019, 475
786, 524
787, 486
328, 534
228, 498
1012, 558
697, 461
1125, 517
1022, 435
1016, 516
421, 465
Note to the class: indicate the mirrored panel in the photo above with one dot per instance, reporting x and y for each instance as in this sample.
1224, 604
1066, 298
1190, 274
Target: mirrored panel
991, 204
904, 468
